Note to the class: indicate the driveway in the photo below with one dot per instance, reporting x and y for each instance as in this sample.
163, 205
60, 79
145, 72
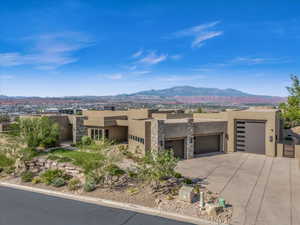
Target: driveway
262, 190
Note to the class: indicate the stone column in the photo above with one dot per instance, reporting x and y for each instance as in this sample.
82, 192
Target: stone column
79, 130
157, 135
103, 134
189, 141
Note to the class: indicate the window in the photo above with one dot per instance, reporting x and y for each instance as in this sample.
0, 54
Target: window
92, 133
106, 133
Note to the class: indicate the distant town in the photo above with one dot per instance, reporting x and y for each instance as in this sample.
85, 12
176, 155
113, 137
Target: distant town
184, 97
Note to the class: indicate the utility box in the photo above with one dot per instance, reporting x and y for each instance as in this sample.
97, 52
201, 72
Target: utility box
186, 193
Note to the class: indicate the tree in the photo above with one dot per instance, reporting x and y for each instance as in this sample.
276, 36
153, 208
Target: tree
290, 110
4, 118
199, 110
39, 131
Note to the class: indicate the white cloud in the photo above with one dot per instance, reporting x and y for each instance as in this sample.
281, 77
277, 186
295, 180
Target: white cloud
152, 58
251, 60
49, 52
141, 72
115, 76
200, 33
198, 42
137, 54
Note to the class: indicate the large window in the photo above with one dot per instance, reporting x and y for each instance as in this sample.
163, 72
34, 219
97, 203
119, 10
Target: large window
137, 139
96, 134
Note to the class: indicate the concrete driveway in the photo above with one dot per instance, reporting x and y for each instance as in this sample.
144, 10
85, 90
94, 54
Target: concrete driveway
262, 190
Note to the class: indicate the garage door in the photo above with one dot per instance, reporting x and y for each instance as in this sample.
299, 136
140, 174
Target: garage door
177, 146
207, 144
250, 136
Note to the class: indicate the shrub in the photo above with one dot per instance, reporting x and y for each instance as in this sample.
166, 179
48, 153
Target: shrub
89, 185
9, 170
36, 180
74, 184
50, 175
27, 176
86, 140
58, 182
114, 170
188, 181
178, 175
6, 161
157, 166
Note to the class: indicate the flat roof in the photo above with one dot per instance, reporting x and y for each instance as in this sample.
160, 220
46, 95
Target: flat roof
185, 120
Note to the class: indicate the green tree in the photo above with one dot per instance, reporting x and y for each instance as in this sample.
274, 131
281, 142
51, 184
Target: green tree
39, 131
199, 110
290, 110
4, 118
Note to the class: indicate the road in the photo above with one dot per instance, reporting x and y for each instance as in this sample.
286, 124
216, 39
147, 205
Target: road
19, 207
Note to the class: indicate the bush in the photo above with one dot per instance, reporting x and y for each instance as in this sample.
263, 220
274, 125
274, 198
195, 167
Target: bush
9, 170
58, 182
27, 176
89, 185
5, 161
36, 180
157, 166
74, 184
114, 170
187, 181
86, 140
178, 175
50, 175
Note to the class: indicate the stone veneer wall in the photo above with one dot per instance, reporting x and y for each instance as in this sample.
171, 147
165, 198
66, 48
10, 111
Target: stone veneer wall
79, 130
189, 141
157, 135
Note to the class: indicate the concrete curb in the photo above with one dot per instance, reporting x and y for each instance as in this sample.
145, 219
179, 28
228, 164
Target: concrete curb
113, 204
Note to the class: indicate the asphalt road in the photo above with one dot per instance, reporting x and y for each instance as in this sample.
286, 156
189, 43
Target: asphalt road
27, 208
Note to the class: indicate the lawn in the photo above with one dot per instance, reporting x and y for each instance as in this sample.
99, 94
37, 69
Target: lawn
85, 160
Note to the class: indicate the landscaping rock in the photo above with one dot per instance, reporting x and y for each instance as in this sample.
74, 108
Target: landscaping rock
213, 210
186, 193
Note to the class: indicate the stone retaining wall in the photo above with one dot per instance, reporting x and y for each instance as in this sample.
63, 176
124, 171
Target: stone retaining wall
40, 165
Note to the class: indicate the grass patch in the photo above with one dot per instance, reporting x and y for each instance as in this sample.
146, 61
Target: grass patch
85, 160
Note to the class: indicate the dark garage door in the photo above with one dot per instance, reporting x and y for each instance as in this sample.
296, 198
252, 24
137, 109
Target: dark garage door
177, 146
250, 136
207, 144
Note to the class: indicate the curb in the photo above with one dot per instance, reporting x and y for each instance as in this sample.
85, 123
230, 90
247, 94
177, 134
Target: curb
113, 204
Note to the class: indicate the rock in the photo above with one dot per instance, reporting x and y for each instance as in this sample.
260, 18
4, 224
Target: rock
213, 210
186, 193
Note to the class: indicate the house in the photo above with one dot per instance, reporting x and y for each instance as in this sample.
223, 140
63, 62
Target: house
255, 130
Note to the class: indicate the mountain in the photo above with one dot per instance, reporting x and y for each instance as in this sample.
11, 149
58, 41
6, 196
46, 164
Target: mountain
193, 91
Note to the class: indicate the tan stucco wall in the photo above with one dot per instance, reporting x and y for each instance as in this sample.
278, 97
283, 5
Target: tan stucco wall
297, 152
271, 117
279, 150
137, 128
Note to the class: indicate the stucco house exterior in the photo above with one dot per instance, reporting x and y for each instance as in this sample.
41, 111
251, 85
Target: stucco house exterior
255, 130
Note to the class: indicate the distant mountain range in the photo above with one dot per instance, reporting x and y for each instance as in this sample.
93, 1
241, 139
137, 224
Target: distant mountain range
192, 91
174, 95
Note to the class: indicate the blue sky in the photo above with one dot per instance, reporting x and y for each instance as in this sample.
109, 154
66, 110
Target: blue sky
94, 47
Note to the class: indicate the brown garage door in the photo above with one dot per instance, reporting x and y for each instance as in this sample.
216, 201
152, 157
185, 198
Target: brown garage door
177, 146
250, 136
207, 144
